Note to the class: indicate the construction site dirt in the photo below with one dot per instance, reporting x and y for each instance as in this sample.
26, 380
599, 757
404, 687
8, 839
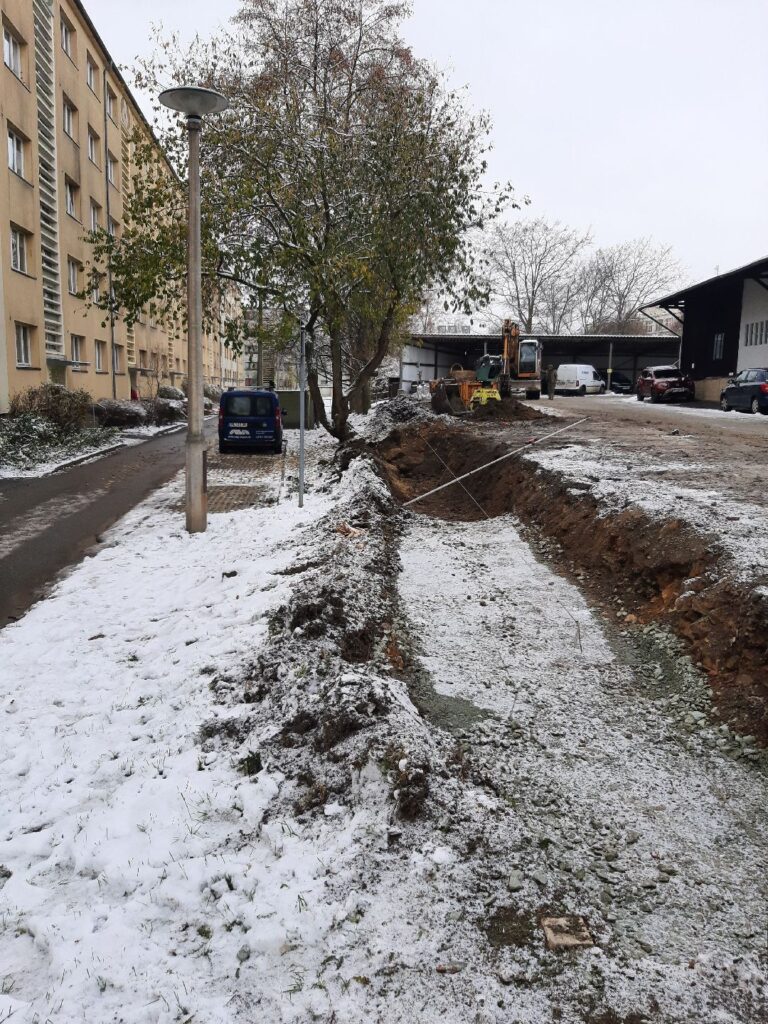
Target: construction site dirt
656, 523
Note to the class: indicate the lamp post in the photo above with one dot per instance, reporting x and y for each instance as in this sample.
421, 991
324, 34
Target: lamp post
195, 102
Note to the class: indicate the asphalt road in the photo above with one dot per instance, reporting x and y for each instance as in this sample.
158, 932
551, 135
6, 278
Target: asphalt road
49, 523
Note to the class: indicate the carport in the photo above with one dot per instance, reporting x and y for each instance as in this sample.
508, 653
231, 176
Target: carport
430, 356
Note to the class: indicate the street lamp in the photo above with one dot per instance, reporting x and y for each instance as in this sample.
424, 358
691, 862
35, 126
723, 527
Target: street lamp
195, 102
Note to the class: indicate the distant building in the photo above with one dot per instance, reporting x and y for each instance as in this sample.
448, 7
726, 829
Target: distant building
724, 325
68, 117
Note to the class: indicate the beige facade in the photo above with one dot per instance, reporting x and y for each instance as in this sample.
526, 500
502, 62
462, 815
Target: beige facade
68, 117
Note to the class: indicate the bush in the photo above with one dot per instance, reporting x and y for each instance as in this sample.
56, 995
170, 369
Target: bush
115, 412
164, 410
68, 410
26, 440
168, 391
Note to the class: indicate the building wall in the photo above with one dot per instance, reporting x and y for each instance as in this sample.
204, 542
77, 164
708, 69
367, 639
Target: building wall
710, 348
19, 204
753, 332
70, 343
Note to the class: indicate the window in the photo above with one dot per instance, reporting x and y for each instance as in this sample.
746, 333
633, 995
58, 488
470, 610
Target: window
70, 119
143, 358
719, 345
18, 249
96, 291
67, 38
22, 345
73, 273
95, 216
78, 349
117, 358
248, 405
93, 146
15, 152
112, 227
112, 168
111, 100
91, 74
70, 197
11, 51
101, 356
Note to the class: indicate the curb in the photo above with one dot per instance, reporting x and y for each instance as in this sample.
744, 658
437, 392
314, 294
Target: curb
84, 458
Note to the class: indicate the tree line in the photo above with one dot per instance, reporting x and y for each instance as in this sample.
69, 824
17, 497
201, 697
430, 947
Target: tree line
553, 280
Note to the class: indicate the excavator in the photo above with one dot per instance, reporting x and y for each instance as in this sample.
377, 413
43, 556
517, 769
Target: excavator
518, 368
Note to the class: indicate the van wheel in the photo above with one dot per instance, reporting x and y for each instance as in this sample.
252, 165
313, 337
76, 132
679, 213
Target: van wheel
724, 405
639, 396
278, 447
582, 390
223, 450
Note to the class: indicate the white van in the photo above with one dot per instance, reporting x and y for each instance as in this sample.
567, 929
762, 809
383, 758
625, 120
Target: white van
579, 379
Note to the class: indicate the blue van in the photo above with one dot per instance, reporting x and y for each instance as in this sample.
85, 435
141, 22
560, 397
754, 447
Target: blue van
250, 419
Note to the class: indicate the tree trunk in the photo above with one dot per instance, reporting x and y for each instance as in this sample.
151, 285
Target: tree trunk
360, 400
359, 395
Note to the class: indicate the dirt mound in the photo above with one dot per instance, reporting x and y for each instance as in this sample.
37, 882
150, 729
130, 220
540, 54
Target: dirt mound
662, 569
508, 410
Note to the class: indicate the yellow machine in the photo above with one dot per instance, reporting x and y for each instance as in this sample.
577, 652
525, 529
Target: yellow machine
516, 368
483, 395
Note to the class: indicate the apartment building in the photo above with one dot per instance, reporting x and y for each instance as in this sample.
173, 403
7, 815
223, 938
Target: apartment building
69, 117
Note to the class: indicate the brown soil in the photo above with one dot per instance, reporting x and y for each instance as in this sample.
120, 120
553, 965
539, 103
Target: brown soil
507, 410
643, 560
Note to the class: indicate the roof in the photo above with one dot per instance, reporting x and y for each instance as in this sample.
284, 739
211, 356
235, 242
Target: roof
759, 268
571, 338
115, 71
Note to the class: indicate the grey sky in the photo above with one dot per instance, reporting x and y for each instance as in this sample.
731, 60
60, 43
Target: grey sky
632, 118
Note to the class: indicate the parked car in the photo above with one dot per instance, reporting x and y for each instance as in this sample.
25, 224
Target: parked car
250, 418
747, 391
620, 383
665, 384
580, 379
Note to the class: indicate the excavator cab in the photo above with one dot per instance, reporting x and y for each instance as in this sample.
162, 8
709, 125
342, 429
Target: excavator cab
488, 368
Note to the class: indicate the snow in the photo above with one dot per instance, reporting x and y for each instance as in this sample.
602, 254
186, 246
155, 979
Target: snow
604, 470
115, 827
592, 783
155, 867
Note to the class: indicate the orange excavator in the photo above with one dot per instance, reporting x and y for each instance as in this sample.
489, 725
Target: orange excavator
518, 368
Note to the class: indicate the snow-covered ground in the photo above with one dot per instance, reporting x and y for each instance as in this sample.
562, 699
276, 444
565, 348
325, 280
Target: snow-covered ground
116, 880
666, 489
201, 789
606, 795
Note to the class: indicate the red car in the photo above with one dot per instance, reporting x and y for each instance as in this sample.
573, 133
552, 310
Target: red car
665, 383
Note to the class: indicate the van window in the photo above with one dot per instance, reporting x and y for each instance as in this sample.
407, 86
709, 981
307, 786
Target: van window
247, 405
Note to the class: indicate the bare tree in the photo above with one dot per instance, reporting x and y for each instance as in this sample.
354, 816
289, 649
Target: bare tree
533, 265
618, 280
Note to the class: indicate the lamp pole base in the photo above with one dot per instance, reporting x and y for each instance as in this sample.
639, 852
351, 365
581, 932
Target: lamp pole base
197, 484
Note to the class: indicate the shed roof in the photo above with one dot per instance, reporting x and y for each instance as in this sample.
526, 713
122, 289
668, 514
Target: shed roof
757, 270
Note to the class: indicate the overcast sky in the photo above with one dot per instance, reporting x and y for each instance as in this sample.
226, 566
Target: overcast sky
644, 118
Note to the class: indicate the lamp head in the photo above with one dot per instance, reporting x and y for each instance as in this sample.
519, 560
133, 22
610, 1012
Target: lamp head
194, 101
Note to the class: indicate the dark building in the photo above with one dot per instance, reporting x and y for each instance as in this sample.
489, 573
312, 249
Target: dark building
725, 325
429, 356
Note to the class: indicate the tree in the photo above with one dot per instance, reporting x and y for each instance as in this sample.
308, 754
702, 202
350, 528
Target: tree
342, 181
616, 281
533, 265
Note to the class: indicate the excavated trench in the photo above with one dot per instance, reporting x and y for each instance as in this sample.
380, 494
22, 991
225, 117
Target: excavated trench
662, 570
